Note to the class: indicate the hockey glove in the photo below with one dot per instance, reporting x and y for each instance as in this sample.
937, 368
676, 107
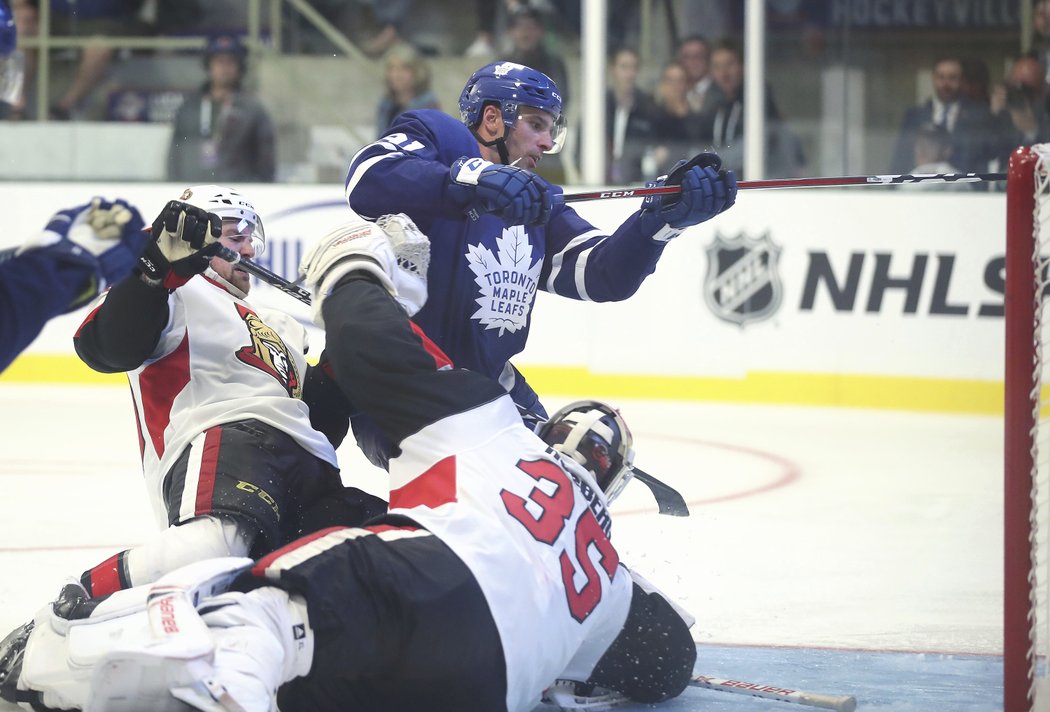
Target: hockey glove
103, 237
515, 194
185, 238
707, 190
392, 249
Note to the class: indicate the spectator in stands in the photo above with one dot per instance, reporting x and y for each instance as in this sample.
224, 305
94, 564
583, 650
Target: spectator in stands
678, 129
407, 86
527, 31
694, 54
484, 44
933, 152
222, 134
91, 18
1041, 34
629, 120
967, 122
1019, 110
725, 125
11, 71
976, 81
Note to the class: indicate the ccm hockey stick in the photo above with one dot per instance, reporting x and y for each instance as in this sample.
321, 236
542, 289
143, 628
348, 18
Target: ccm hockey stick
839, 181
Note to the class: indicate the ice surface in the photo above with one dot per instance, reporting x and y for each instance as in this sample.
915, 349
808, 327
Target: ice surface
837, 551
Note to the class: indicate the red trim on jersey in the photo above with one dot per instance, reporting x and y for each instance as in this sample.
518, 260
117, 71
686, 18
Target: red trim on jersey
265, 562
433, 488
138, 427
206, 476
440, 359
89, 317
380, 528
160, 383
105, 578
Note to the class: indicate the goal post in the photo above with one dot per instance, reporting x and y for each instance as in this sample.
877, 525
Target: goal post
1026, 445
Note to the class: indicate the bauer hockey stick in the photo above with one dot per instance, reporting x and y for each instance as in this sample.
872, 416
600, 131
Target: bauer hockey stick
840, 703
838, 181
562, 695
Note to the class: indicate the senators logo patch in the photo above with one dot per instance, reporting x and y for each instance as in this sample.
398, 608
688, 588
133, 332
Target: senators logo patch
268, 353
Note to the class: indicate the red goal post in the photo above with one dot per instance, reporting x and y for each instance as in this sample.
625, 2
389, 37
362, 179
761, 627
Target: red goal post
1026, 441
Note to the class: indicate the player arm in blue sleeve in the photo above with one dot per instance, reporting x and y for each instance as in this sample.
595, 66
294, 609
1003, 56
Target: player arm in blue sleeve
33, 289
407, 170
583, 263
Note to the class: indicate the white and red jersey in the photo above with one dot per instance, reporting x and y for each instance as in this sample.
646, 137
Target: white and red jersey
219, 359
535, 536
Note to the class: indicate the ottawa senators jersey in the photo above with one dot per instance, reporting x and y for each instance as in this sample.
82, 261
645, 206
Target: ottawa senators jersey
219, 359
518, 515
532, 528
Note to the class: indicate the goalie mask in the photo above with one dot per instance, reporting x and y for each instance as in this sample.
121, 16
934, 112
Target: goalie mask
231, 206
511, 86
594, 435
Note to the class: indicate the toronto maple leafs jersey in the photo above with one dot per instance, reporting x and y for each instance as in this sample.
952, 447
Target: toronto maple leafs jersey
483, 273
218, 360
532, 528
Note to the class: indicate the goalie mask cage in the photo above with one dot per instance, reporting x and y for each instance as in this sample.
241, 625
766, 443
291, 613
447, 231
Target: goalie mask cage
1026, 442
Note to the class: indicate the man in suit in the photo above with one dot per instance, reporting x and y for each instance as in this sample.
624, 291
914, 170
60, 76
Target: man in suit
967, 122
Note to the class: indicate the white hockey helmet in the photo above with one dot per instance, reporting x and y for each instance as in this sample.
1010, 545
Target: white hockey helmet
230, 205
594, 435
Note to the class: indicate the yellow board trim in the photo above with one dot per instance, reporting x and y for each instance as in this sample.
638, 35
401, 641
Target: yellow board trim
944, 395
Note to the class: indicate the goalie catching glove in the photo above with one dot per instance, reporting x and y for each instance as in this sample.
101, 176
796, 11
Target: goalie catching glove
185, 238
707, 190
103, 237
515, 194
392, 249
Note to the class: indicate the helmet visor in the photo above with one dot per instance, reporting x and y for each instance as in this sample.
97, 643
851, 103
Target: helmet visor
544, 122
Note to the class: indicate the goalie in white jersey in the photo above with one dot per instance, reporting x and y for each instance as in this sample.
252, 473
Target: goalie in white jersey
229, 414
492, 576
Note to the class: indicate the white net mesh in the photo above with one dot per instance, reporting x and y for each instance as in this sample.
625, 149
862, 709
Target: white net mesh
1040, 507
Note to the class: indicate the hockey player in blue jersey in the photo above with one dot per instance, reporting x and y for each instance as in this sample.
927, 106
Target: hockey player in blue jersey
79, 253
499, 232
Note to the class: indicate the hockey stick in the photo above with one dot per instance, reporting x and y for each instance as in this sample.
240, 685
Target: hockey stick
668, 500
799, 183
274, 280
841, 703
562, 694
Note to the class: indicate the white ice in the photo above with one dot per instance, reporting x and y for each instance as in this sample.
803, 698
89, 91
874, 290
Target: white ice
810, 527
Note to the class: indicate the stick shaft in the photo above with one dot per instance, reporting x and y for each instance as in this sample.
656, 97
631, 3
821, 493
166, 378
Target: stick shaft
274, 280
837, 181
841, 703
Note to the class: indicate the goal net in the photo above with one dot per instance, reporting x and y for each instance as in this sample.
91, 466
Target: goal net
1026, 603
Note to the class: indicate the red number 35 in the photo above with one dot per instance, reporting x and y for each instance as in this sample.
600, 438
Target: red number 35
555, 509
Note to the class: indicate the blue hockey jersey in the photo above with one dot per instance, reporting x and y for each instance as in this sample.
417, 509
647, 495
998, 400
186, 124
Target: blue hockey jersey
484, 273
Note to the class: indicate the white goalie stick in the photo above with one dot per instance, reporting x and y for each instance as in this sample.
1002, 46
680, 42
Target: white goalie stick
562, 695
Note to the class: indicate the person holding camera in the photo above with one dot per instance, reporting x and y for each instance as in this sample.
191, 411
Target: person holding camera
1019, 108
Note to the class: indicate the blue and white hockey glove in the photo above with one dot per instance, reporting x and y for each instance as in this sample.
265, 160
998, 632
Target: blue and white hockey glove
515, 194
707, 190
103, 237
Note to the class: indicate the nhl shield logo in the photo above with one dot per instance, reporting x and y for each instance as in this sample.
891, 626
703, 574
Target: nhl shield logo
742, 282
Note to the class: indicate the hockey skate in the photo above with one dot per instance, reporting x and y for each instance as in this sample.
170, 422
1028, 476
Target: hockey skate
72, 602
12, 651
